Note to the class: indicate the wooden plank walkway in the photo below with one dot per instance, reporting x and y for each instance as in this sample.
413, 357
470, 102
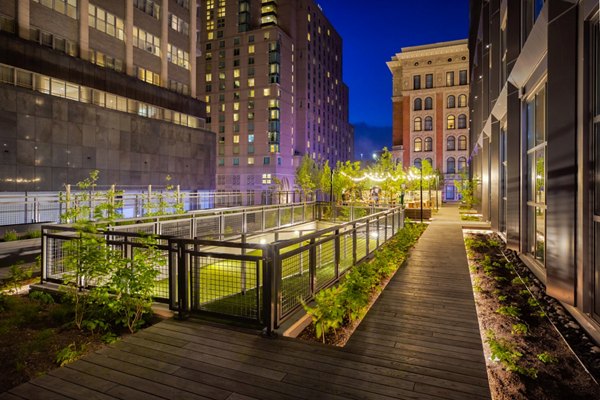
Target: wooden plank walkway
419, 341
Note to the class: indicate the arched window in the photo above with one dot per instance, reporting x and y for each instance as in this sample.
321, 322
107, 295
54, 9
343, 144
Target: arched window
418, 145
428, 103
418, 124
462, 121
462, 142
428, 144
418, 104
462, 100
430, 161
451, 143
450, 122
451, 102
462, 164
450, 165
417, 162
428, 123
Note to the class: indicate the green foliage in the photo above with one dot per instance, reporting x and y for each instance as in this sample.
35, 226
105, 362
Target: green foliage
33, 235
505, 353
547, 358
502, 297
41, 297
349, 300
69, 354
306, 175
466, 217
17, 276
519, 329
466, 189
509, 311
533, 303
165, 202
10, 235
328, 314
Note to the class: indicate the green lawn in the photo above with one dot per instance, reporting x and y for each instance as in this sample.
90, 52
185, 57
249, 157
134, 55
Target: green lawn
219, 283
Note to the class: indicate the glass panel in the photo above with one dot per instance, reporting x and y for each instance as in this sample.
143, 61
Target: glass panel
540, 117
530, 124
540, 233
531, 177
597, 170
540, 176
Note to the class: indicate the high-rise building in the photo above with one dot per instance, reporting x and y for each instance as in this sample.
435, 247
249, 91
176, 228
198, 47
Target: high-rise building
271, 75
101, 84
430, 110
535, 110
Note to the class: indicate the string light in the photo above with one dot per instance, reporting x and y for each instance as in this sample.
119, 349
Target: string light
373, 177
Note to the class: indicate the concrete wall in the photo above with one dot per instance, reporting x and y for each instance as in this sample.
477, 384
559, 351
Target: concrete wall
47, 141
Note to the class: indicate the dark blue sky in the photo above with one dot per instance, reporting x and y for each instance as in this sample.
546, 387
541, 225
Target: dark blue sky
373, 31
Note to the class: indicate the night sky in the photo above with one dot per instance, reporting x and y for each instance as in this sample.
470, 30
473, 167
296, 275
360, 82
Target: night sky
375, 30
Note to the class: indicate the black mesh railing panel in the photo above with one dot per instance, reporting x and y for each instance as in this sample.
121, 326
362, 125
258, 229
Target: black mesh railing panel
325, 265
295, 280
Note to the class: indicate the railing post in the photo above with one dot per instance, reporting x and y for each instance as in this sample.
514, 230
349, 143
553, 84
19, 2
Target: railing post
394, 222
44, 258
336, 253
378, 230
269, 292
243, 269
354, 244
368, 238
312, 266
182, 279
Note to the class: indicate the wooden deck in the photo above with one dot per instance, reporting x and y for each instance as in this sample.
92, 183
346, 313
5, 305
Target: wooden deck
419, 341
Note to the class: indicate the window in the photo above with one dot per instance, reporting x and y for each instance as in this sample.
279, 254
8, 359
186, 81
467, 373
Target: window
417, 104
450, 192
236, 161
266, 160
429, 161
179, 25
66, 7
417, 163
462, 121
183, 3
451, 143
417, 82
429, 81
428, 123
428, 144
106, 22
417, 125
462, 100
146, 41
450, 122
148, 76
450, 165
462, 77
102, 60
462, 142
266, 179
148, 6
418, 145
178, 56
462, 164
428, 103
536, 175
450, 78
250, 160
451, 102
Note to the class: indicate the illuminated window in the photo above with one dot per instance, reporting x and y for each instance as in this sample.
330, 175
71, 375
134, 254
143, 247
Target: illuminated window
146, 41
266, 92
450, 78
66, 7
106, 22
266, 179
462, 100
417, 125
418, 145
178, 56
250, 160
251, 49
251, 82
450, 122
179, 25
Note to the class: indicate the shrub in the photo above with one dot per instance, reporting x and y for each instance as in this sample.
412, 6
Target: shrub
17, 275
10, 235
327, 315
505, 353
41, 297
69, 354
547, 358
519, 329
509, 311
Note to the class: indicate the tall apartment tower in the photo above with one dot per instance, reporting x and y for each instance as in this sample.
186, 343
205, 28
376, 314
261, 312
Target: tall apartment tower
535, 106
430, 110
101, 84
271, 75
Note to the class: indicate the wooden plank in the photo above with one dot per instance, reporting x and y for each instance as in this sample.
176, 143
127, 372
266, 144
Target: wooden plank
91, 382
30, 391
9, 396
68, 389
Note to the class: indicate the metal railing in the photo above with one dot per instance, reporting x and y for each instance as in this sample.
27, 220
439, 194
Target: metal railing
255, 264
36, 207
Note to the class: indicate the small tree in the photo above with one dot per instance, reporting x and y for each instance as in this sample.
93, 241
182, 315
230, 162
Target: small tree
160, 203
466, 189
307, 174
345, 180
